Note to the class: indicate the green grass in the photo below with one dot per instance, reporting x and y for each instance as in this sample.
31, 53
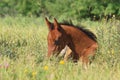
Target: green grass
23, 47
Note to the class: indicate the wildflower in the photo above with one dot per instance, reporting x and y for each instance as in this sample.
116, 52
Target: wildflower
108, 51
13, 41
25, 71
45, 67
112, 51
0, 65
94, 16
6, 65
34, 73
113, 16
62, 62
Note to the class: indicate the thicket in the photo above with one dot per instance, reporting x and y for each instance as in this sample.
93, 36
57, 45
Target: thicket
78, 9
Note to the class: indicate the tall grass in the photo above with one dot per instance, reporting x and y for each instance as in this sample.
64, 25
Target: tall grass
23, 47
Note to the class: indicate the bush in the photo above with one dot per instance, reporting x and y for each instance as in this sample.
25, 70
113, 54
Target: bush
78, 9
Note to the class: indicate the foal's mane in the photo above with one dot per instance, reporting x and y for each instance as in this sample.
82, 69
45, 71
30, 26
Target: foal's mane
81, 28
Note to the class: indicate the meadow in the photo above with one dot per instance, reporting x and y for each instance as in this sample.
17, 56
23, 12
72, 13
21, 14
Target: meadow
23, 47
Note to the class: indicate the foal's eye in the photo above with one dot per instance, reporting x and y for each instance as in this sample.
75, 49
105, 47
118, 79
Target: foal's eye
56, 42
59, 29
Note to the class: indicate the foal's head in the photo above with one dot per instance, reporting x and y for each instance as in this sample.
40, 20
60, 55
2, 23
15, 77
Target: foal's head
56, 37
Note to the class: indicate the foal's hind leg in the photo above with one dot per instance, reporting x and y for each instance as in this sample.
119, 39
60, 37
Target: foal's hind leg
85, 61
90, 51
87, 53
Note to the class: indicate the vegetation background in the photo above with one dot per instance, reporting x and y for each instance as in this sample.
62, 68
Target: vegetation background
23, 43
75, 9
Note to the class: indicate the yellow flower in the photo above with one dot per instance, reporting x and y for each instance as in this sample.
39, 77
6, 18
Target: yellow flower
112, 51
34, 74
45, 67
25, 71
62, 62
108, 51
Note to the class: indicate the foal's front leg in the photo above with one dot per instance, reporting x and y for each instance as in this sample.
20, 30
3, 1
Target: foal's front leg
68, 53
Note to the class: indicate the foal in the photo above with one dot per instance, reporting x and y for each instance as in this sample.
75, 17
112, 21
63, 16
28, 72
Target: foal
80, 42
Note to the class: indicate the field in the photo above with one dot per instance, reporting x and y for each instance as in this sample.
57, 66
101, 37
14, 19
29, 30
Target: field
23, 47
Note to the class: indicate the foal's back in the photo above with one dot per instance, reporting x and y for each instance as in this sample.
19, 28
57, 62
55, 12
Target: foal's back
82, 44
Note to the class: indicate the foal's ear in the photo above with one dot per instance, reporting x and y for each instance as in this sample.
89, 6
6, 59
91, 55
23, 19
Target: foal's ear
56, 24
48, 23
